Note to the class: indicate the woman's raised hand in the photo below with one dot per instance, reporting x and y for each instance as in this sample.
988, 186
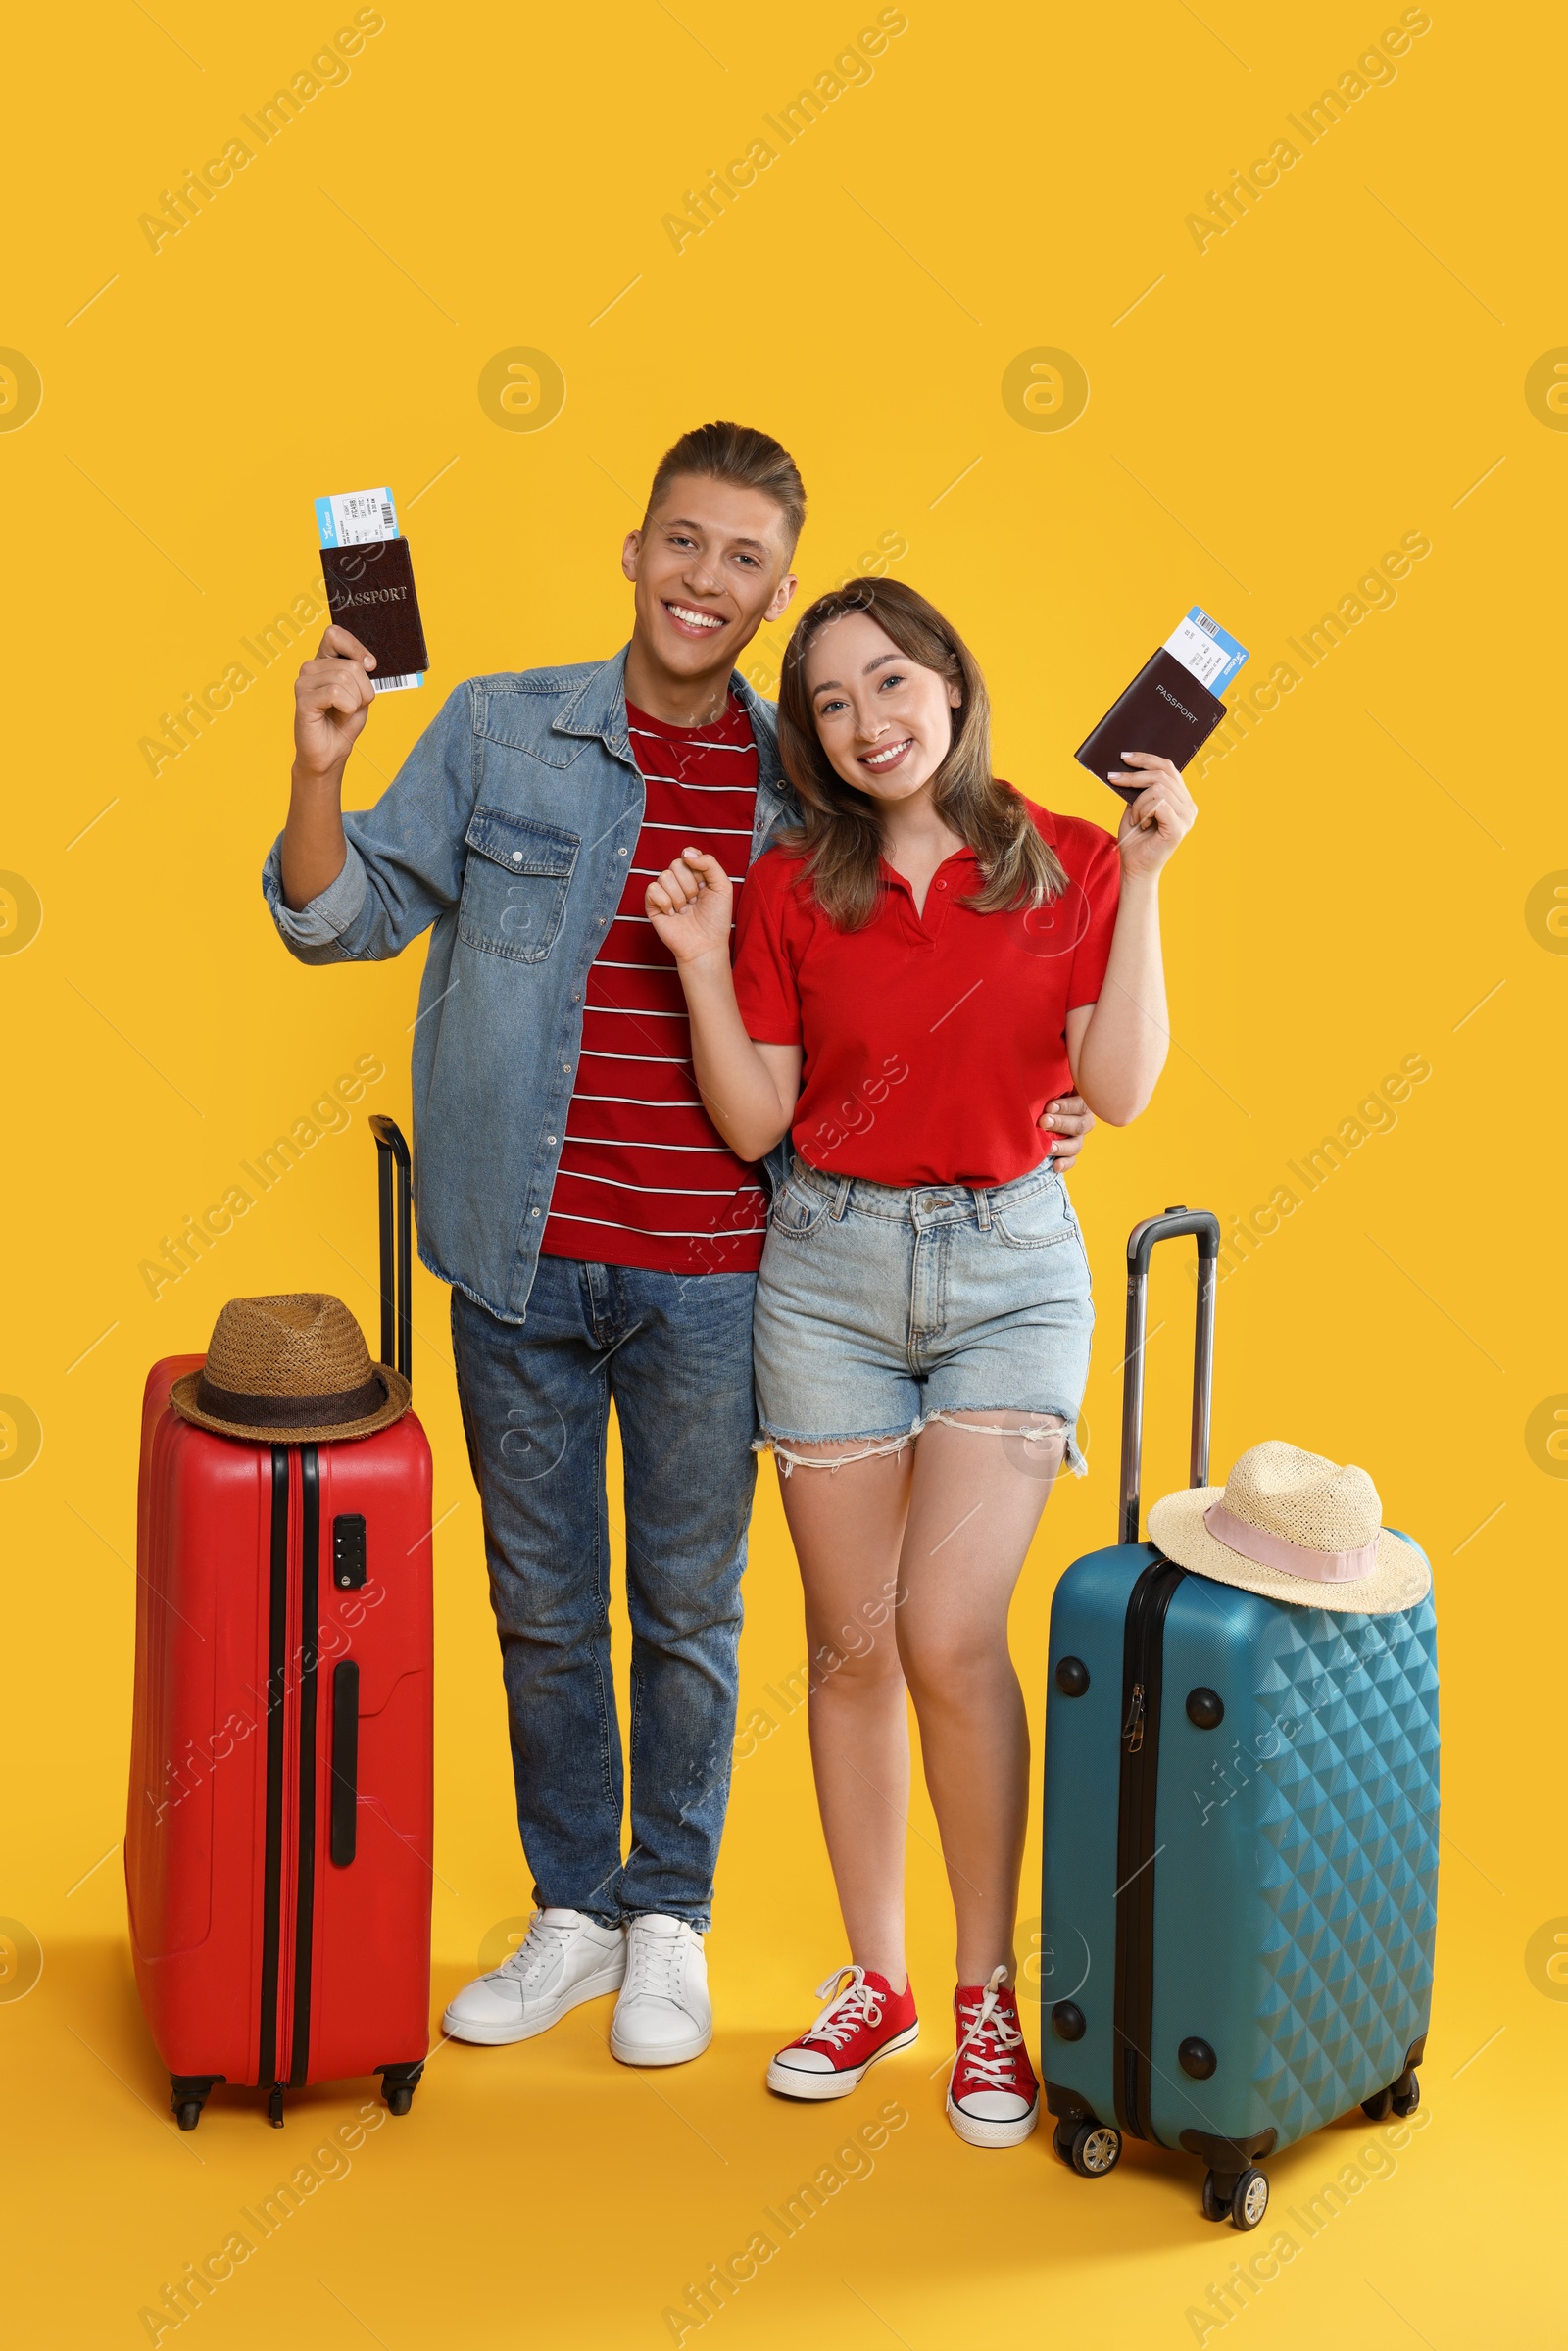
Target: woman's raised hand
690, 907
1161, 815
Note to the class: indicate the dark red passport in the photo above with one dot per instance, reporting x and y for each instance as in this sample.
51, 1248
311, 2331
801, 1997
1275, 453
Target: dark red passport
1164, 710
371, 591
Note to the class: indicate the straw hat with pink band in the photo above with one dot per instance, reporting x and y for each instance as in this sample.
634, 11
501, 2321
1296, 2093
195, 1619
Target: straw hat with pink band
1294, 1527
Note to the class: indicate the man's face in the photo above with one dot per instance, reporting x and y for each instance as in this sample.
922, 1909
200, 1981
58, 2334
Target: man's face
710, 564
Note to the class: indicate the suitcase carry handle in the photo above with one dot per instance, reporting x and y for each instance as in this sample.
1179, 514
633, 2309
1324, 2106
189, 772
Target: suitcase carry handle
1141, 1244
394, 1170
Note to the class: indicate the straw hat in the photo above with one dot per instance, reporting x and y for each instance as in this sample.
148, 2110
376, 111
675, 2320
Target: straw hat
1294, 1527
290, 1371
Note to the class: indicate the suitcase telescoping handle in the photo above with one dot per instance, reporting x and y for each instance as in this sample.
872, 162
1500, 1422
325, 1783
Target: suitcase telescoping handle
395, 1171
1141, 1242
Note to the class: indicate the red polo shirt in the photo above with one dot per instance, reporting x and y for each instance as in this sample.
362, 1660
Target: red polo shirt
933, 1040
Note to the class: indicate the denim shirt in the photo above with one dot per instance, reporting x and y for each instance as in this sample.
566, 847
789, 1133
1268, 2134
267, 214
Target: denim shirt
506, 834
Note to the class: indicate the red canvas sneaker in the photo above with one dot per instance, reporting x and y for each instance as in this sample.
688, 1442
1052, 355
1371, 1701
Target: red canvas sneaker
865, 2019
993, 2096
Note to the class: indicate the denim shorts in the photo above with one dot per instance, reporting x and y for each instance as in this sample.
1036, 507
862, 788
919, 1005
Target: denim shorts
879, 1309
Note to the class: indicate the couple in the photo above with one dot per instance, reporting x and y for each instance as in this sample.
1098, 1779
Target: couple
674, 934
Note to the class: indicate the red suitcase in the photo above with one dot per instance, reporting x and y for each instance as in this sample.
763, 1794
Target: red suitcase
278, 1843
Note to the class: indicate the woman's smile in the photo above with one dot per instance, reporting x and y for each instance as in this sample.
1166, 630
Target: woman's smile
889, 756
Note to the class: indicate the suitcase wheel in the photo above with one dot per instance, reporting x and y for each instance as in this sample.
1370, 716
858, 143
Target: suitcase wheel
1240, 2197
1401, 2097
1092, 2148
399, 2083
188, 2093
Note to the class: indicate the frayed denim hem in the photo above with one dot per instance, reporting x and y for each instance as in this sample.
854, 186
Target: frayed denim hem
875, 1444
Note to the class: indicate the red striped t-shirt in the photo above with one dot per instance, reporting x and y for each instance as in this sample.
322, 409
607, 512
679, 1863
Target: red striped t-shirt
645, 1178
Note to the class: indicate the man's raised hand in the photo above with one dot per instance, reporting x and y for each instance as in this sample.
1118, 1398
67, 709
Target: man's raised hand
332, 698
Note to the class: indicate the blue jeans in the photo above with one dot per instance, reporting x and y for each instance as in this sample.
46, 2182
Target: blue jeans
675, 1353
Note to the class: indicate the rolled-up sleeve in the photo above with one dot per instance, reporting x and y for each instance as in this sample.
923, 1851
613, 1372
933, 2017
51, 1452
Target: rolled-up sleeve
405, 856
321, 925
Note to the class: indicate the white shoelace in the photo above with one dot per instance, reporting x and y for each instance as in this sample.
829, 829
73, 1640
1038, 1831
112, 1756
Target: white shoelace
996, 2037
653, 1966
539, 1948
847, 2010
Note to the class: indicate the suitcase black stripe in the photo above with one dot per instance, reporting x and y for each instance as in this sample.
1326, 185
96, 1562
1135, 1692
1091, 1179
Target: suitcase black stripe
310, 1644
272, 1851
1143, 1654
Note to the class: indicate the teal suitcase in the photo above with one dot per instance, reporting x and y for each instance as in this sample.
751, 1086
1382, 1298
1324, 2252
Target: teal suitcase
1241, 1841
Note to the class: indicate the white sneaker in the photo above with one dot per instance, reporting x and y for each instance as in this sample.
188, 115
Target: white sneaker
664, 2015
563, 1960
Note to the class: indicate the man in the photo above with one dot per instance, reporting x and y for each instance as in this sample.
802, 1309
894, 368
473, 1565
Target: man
600, 1240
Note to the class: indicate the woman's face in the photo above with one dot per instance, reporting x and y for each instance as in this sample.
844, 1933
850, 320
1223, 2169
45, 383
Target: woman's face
884, 721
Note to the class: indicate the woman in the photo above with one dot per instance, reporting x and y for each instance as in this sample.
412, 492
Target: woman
917, 972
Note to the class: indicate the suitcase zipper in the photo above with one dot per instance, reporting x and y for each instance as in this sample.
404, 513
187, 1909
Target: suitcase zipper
1142, 1650
272, 1849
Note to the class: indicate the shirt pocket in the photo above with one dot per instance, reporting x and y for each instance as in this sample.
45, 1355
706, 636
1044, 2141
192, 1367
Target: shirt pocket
515, 885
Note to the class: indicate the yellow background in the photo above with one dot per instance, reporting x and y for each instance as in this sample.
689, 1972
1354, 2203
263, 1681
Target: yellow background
1265, 418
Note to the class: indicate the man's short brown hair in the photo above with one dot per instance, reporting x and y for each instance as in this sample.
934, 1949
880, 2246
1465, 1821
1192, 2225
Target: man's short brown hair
736, 453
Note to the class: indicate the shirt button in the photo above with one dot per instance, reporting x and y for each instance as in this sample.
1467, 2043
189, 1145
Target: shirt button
533, 1211
549, 1137
516, 857
620, 853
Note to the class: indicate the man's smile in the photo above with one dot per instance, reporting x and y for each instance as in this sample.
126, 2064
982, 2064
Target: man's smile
691, 621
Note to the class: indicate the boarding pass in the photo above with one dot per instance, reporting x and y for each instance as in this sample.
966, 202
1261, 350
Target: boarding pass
1201, 646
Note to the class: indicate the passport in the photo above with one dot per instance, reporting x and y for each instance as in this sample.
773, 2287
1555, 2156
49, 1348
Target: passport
370, 587
1171, 707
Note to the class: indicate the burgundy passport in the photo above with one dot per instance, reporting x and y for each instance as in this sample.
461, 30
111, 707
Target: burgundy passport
371, 591
1164, 710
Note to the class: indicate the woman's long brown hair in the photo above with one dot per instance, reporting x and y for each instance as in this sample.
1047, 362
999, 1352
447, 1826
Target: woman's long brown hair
841, 827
